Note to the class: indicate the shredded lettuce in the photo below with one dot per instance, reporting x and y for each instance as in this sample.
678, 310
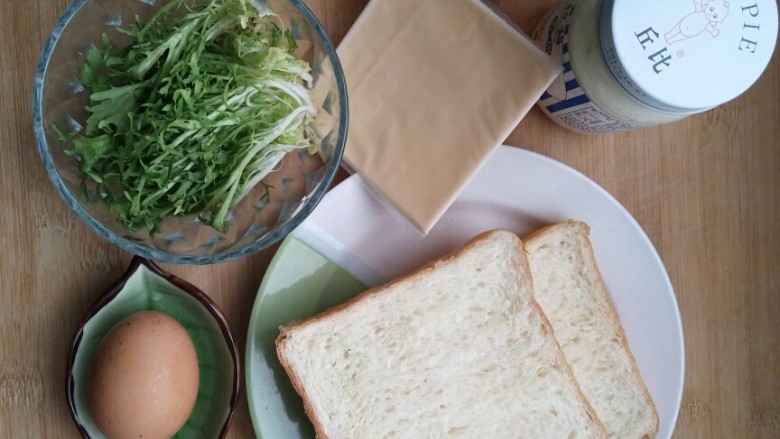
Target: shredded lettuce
193, 114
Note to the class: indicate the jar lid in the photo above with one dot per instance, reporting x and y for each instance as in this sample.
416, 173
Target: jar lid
690, 55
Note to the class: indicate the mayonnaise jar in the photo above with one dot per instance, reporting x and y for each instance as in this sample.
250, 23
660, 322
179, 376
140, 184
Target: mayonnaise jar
629, 64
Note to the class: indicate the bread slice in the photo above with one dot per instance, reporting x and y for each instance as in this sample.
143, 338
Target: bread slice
457, 349
570, 291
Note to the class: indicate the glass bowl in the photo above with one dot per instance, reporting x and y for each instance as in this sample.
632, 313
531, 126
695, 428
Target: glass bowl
264, 216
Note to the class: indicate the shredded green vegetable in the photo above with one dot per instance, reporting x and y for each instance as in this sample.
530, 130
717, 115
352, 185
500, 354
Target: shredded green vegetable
191, 116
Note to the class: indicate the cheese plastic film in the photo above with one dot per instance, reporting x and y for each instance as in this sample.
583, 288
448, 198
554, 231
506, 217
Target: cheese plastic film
434, 87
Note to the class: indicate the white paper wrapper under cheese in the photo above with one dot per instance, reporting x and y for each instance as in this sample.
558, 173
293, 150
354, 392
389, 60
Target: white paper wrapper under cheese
434, 87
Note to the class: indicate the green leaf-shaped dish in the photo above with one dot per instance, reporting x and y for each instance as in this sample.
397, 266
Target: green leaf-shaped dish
144, 286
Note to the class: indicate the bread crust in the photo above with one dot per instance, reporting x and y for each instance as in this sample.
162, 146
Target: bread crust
308, 408
596, 424
583, 229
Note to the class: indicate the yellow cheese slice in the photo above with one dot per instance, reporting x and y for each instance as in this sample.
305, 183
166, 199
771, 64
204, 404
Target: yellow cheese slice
434, 87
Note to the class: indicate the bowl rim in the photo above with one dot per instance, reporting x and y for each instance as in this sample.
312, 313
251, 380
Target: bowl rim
273, 236
109, 294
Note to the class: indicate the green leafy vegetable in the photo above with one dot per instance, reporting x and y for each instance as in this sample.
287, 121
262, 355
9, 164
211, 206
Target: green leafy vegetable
192, 115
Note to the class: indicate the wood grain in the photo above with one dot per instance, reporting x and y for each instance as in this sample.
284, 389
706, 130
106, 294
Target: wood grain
706, 190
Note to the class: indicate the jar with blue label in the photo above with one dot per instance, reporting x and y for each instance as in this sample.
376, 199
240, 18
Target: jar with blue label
628, 64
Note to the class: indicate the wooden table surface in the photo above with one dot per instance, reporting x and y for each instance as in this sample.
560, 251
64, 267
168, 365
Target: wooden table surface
706, 190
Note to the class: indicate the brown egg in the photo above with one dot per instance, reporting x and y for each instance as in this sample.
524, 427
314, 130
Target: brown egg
143, 381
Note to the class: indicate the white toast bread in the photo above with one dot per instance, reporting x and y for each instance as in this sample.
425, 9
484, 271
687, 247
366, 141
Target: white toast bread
457, 349
570, 291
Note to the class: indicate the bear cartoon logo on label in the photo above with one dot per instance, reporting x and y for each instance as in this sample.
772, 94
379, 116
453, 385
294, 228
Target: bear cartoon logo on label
706, 16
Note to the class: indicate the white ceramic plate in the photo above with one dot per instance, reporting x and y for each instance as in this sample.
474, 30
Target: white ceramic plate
516, 190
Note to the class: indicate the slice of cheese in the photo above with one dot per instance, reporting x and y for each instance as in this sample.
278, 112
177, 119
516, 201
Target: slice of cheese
434, 87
